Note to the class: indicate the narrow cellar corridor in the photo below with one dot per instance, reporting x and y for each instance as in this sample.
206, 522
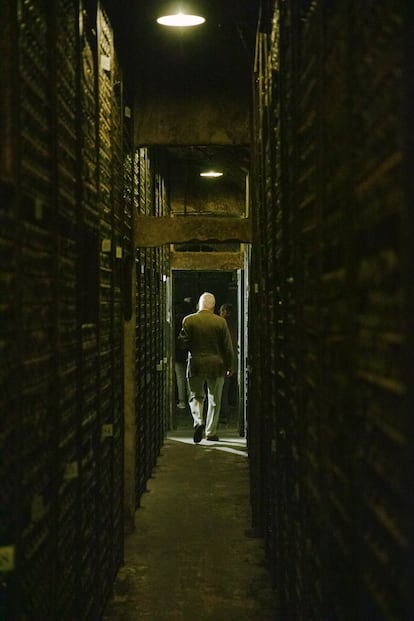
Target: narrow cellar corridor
262, 151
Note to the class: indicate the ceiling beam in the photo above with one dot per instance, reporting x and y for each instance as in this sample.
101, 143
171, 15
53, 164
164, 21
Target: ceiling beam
209, 261
180, 118
153, 231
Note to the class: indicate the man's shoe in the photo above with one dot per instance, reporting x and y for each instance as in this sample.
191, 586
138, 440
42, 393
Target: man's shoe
212, 438
198, 433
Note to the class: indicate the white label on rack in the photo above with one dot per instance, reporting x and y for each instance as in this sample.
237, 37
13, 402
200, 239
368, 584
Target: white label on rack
105, 62
107, 431
127, 112
106, 245
118, 252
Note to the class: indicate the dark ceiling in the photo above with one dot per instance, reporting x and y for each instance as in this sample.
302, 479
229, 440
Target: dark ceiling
210, 60
211, 56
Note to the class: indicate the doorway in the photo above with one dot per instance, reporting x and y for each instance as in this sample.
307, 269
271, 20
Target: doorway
225, 285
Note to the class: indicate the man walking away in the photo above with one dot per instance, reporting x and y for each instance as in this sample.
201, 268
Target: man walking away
208, 340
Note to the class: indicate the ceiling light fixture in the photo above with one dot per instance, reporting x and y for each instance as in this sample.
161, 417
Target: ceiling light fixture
181, 20
211, 173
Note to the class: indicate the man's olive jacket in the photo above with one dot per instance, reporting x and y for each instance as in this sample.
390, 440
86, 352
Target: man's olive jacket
208, 339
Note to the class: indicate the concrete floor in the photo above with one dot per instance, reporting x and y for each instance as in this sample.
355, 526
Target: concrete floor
190, 557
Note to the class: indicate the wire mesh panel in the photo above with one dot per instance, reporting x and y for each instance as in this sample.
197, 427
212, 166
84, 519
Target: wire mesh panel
62, 433
106, 139
378, 213
37, 344
66, 71
88, 312
336, 291
151, 377
329, 490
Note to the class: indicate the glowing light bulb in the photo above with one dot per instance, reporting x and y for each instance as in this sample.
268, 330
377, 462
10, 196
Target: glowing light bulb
211, 173
180, 20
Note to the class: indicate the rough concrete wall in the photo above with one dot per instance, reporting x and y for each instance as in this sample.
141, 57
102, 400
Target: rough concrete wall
221, 119
213, 203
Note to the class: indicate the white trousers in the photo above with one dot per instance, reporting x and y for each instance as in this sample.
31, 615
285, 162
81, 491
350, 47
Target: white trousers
196, 398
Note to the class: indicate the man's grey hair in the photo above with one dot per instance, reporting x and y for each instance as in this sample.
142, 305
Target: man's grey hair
207, 301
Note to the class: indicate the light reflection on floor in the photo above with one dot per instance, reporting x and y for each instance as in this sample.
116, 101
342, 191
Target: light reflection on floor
231, 444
